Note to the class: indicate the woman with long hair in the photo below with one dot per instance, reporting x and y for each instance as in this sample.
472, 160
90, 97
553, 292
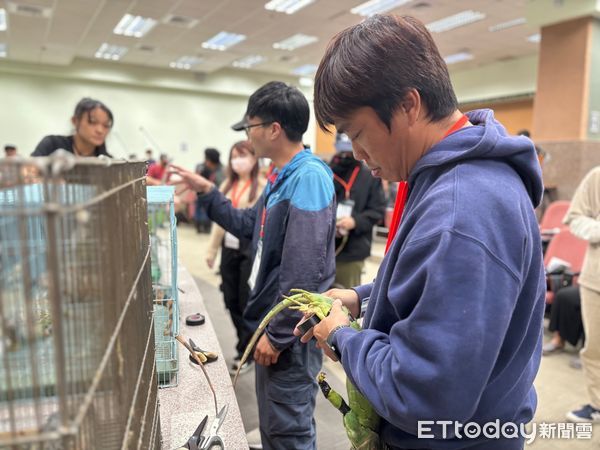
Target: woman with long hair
92, 121
243, 186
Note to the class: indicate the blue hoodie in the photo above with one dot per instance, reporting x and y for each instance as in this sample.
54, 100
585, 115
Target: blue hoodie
299, 236
453, 325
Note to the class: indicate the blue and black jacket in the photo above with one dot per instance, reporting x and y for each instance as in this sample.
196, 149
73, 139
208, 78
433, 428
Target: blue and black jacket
298, 245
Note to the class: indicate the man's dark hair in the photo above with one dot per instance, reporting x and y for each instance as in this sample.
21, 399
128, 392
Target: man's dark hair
374, 64
524, 133
212, 155
286, 105
9, 147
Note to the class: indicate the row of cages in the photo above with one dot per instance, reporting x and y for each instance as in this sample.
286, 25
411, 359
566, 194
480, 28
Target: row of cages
88, 304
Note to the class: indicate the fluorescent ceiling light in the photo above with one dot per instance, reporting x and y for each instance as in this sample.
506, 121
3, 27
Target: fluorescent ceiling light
458, 57
107, 51
185, 62
295, 41
223, 41
136, 26
287, 6
535, 38
3, 50
305, 70
249, 61
377, 7
306, 82
456, 20
509, 24
2, 19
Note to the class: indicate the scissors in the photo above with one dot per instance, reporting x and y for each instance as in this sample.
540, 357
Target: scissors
200, 442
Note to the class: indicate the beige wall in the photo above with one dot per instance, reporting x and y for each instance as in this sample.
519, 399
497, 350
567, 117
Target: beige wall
178, 110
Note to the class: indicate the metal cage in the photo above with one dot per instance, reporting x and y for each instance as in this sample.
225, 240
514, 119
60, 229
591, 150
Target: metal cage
76, 328
163, 244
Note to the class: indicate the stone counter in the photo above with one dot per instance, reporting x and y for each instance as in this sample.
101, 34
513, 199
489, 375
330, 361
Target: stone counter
184, 406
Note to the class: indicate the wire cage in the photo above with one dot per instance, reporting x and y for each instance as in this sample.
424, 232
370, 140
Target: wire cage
163, 244
76, 340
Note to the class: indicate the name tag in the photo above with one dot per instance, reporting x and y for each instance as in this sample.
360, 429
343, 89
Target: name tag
344, 209
255, 266
231, 241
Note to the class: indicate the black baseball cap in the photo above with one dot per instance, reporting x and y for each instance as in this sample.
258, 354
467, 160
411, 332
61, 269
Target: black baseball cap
241, 125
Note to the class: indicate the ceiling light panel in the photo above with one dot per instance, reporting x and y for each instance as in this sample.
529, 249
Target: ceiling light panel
287, 6
3, 50
295, 41
458, 57
107, 51
305, 70
373, 7
186, 62
2, 19
455, 21
249, 61
509, 24
535, 38
223, 40
136, 26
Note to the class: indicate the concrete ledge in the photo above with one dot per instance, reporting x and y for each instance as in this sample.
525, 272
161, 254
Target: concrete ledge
183, 407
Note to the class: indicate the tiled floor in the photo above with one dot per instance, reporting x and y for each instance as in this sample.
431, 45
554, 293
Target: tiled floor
560, 388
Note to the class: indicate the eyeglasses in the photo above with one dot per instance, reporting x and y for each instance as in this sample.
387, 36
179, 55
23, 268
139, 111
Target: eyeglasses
262, 124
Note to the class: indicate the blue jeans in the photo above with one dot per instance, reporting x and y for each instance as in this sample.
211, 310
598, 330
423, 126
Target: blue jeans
286, 394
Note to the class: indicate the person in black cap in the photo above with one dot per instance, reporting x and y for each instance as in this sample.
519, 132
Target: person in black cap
360, 205
292, 227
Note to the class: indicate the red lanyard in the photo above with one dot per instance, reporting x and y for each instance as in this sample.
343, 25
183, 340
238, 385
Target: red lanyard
235, 199
347, 186
271, 178
403, 190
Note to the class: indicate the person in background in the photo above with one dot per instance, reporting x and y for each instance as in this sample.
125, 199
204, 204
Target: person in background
453, 321
565, 320
583, 218
541, 154
212, 170
149, 157
243, 187
92, 121
292, 227
10, 151
360, 206
158, 173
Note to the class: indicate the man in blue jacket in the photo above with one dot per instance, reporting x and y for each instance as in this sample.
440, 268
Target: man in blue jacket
453, 326
292, 227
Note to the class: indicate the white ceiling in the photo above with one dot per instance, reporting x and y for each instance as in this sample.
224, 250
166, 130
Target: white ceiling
77, 28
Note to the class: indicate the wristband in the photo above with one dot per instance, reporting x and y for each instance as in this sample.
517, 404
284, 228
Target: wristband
330, 338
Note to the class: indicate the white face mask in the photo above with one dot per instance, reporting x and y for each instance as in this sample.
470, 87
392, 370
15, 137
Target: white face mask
242, 165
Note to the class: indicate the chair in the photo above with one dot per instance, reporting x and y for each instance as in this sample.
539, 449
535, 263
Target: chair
551, 222
570, 249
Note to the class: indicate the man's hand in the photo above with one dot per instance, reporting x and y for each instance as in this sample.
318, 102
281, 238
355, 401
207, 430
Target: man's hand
321, 331
265, 354
191, 180
349, 299
210, 261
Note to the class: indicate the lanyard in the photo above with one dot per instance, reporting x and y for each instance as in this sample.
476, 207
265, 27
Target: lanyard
347, 186
402, 194
235, 198
271, 178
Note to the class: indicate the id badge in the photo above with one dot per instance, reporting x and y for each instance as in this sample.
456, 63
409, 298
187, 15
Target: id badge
344, 209
255, 265
231, 241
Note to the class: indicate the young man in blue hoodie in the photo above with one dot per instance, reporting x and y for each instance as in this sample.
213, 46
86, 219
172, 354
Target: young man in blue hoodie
453, 325
292, 227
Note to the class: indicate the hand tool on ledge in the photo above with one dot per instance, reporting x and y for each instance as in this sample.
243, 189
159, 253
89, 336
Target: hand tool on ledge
203, 355
199, 441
